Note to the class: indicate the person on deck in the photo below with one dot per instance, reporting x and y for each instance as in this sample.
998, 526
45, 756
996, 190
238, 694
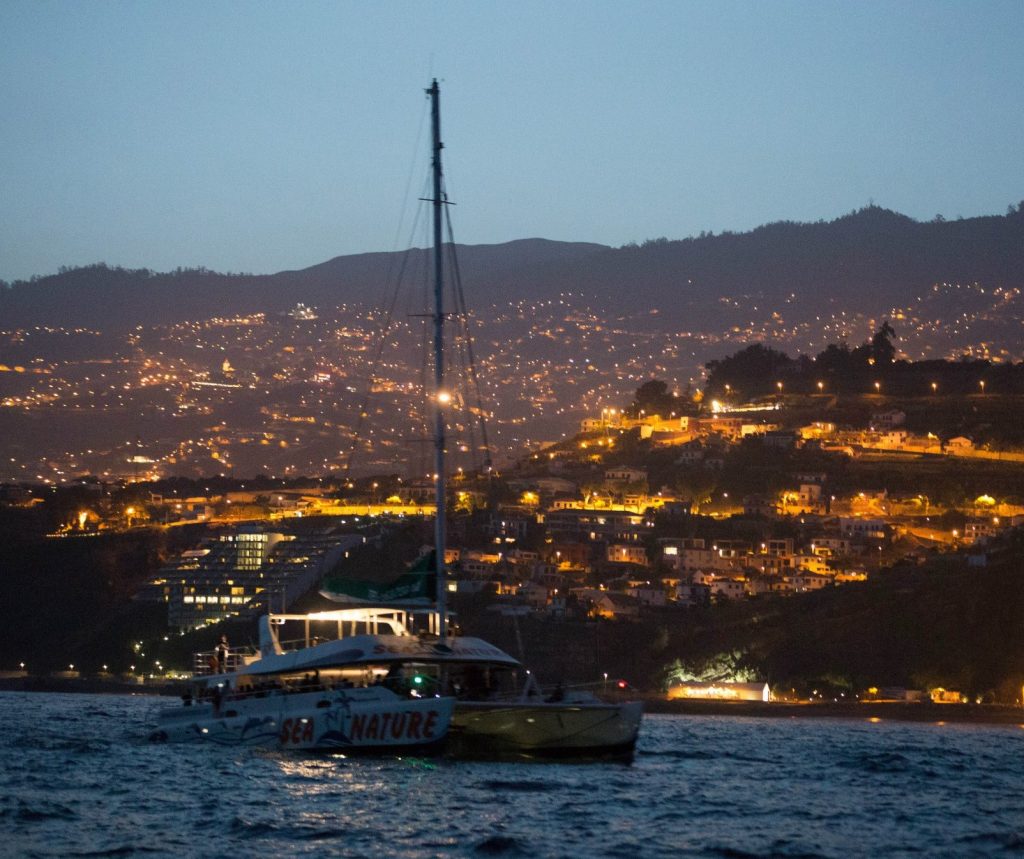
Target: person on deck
223, 649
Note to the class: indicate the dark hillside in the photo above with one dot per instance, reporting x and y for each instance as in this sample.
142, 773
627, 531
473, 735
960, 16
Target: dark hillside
873, 256
870, 259
942, 624
108, 298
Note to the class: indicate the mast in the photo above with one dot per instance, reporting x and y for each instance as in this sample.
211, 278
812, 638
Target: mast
441, 397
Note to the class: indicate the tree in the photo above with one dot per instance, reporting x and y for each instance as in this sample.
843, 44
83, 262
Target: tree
729, 667
882, 349
697, 487
754, 370
654, 398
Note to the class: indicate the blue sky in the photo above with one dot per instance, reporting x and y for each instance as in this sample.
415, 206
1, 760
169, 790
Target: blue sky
260, 136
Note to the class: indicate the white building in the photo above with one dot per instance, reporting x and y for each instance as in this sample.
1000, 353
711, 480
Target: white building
888, 419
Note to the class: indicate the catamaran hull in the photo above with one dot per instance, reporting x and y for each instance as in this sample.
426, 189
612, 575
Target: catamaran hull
334, 721
597, 731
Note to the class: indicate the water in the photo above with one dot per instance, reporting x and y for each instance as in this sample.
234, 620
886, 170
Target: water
77, 778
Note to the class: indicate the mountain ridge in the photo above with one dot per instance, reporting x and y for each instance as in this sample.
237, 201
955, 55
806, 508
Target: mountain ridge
872, 256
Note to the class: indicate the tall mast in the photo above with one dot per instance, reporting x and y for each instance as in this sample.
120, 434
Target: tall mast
440, 395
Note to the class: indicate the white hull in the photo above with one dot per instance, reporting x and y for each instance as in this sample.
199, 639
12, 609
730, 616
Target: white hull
546, 729
355, 720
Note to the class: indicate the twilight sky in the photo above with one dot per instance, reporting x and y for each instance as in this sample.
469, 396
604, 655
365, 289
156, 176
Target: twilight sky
260, 136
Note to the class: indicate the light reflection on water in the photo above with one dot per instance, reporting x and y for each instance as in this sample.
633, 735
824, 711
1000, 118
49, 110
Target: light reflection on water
79, 779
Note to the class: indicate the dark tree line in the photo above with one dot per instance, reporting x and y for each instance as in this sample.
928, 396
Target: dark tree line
758, 370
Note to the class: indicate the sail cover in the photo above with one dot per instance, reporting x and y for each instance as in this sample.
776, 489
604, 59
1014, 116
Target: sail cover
417, 587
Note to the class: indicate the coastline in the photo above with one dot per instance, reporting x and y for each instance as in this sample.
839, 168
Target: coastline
877, 711
882, 711
90, 685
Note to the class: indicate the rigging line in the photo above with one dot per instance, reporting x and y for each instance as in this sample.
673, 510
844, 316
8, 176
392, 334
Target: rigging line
408, 185
460, 339
381, 343
464, 343
426, 359
464, 316
402, 261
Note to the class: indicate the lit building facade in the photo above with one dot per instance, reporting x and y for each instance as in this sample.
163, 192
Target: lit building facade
245, 572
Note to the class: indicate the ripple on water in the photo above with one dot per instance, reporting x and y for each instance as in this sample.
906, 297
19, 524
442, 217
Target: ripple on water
89, 785
1010, 840
877, 762
37, 811
519, 786
74, 745
499, 845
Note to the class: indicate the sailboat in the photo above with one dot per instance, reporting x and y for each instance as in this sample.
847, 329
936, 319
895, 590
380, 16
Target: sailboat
354, 694
500, 709
384, 673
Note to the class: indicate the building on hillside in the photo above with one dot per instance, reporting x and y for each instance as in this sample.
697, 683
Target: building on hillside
830, 547
756, 584
894, 439
810, 495
676, 509
874, 529
649, 595
622, 475
980, 530
805, 581
760, 505
888, 419
570, 526
508, 528
691, 453
568, 555
781, 439
244, 572
692, 594
730, 428
818, 477
960, 444
553, 486
750, 430
812, 563
671, 438
620, 553
817, 430
608, 604
727, 589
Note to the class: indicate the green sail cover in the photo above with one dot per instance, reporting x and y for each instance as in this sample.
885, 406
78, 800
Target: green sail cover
416, 587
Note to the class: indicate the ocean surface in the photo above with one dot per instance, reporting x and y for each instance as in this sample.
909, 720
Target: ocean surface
77, 778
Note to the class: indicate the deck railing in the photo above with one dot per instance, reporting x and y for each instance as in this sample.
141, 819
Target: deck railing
207, 662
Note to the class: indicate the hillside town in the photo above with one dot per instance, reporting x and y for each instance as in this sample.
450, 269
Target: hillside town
639, 515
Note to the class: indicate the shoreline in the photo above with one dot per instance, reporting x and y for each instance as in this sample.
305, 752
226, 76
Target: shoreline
89, 685
880, 711
876, 711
